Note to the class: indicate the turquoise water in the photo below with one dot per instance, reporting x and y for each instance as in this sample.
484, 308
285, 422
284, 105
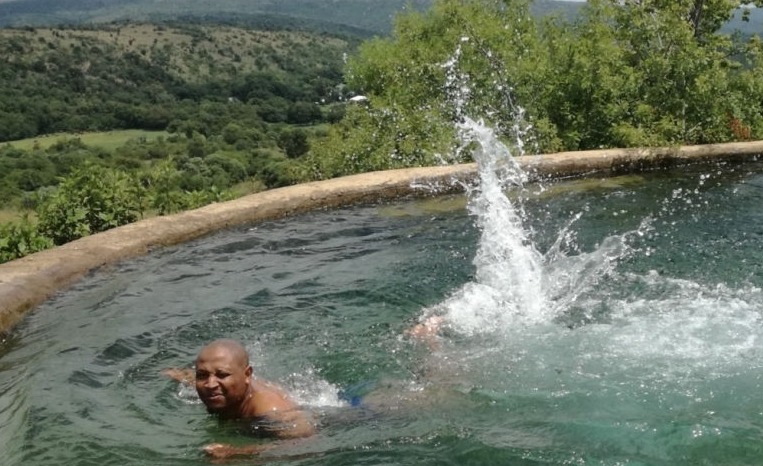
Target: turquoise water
640, 343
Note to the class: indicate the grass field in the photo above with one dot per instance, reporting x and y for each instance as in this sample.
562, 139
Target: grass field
108, 140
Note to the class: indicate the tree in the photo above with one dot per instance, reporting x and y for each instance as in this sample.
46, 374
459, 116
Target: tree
273, 168
293, 142
685, 70
302, 113
704, 17
624, 73
233, 132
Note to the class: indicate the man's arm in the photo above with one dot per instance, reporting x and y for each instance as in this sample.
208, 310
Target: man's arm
288, 426
181, 375
221, 450
292, 424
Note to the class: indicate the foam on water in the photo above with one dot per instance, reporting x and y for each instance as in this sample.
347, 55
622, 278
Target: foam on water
309, 389
694, 328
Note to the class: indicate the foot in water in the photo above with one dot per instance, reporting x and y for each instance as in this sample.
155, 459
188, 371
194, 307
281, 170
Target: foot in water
427, 331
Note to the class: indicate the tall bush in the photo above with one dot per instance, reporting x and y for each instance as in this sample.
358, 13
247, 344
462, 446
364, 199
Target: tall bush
18, 239
92, 199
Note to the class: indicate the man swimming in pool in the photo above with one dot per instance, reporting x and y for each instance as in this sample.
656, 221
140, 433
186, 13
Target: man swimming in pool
224, 382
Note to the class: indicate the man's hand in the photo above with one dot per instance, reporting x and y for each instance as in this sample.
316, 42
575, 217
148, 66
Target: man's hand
181, 375
221, 451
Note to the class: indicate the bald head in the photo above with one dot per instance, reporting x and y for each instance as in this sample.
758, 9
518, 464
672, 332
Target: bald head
234, 350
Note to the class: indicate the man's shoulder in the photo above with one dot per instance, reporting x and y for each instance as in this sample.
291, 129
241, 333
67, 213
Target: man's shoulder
275, 413
269, 397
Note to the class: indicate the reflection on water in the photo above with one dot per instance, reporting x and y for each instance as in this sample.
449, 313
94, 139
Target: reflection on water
637, 342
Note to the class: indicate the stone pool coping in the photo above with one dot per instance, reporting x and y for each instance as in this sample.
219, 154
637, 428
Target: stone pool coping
27, 282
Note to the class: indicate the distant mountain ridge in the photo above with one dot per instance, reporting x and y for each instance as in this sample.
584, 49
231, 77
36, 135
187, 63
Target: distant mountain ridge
374, 16
353, 17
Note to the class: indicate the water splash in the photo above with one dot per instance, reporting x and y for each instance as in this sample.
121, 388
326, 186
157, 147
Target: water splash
508, 266
309, 389
516, 284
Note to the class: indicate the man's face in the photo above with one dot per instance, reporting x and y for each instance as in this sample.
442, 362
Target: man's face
222, 380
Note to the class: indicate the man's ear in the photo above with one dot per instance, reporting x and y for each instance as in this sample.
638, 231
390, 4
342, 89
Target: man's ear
248, 371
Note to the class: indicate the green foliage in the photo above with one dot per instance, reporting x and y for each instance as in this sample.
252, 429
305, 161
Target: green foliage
251, 107
302, 113
217, 95
234, 164
163, 192
622, 73
389, 139
702, 17
233, 132
108, 77
409, 119
195, 199
274, 169
163, 184
676, 72
355, 17
335, 113
21, 238
293, 142
90, 200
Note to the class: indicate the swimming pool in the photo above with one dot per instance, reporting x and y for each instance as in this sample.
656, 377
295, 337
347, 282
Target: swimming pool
636, 340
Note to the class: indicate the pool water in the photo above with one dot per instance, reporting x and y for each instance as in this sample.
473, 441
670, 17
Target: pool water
636, 341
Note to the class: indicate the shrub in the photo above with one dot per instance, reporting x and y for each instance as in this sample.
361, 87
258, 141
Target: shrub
293, 142
20, 239
273, 168
90, 200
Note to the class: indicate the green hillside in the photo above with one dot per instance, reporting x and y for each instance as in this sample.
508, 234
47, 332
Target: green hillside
175, 114
139, 76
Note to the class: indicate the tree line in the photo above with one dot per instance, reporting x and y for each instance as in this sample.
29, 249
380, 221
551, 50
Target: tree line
620, 74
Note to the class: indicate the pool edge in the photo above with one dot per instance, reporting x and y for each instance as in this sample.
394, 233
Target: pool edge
27, 282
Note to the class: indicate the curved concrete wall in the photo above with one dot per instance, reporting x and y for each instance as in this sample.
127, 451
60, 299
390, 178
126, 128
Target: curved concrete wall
26, 282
